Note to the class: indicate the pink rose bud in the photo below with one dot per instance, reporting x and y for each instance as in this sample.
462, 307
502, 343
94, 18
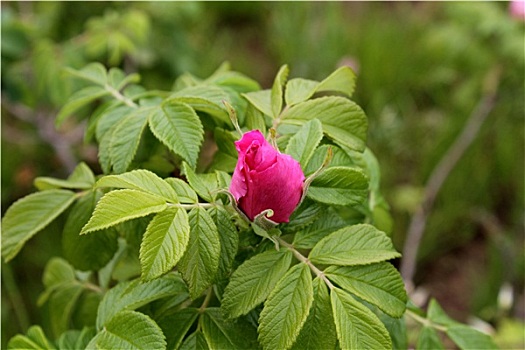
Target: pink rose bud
265, 179
517, 9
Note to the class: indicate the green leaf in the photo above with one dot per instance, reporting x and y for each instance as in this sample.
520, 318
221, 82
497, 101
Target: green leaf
251, 283
437, 315
178, 127
262, 100
379, 284
199, 263
428, 340
286, 309
226, 157
254, 119
118, 80
75, 339
61, 306
134, 294
78, 100
29, 215
318, 331
343, 120
129, 330
397, 328
339, 186
302, 145
299, 90
141, 180
57, 271
227, 334
277, 90
87, 252
339, 158
93, 72
81, 178
229, 240
34, 339
125, 139
327, 222
195, 341
357, 327
185, 193
204, 98
122, 205
176, 325
110, 118
342, 80
203, 184
469, 338
164, 242
354, 245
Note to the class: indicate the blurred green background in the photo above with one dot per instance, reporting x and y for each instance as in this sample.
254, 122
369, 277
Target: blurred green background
422, 68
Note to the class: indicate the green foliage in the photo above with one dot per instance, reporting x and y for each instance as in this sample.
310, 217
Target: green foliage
162, 204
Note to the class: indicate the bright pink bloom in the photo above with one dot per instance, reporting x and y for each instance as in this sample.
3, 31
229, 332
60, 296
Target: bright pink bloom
265, 179
517, 9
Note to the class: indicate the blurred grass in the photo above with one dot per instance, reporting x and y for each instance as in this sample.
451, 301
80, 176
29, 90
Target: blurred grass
420, 73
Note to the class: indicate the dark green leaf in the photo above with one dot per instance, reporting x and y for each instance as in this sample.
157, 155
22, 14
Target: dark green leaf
227, 334
253, 281
195, 341
134, 294
93, 72
327, 222
87, 252
204, 98
176, 325
61, 305
35, 339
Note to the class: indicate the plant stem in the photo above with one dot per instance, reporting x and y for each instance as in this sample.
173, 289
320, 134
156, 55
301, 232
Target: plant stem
120, 97
425, 321
440, 174
192, 206
13, 294
305, 260
207, 300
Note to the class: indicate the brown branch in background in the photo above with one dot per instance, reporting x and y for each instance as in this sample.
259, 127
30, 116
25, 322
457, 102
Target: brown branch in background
440, 174
44, 122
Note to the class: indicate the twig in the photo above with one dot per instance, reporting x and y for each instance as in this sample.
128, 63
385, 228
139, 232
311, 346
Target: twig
440, 174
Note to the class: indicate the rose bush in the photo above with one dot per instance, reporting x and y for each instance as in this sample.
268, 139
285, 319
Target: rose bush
265, 179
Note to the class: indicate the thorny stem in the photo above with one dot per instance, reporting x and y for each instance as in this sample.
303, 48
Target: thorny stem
305, 260
425, 321
115, 93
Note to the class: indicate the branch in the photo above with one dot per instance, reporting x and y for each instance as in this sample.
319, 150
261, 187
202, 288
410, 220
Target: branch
440, 174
